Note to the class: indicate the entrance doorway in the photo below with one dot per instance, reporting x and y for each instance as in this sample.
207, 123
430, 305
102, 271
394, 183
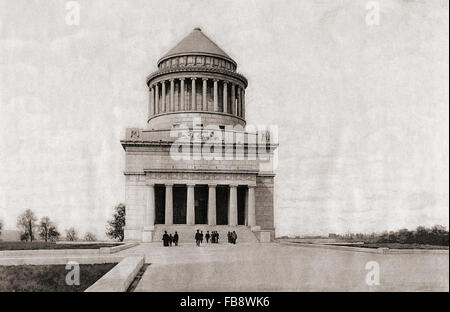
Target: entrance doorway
201, 204
222, 193
160, 203
179, 204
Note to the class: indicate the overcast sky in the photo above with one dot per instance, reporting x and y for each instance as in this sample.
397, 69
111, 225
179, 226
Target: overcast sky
362, 110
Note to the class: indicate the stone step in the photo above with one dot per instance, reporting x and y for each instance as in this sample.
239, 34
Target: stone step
186, 233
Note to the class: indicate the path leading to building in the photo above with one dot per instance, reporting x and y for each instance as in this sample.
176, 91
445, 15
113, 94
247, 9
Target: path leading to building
274, 267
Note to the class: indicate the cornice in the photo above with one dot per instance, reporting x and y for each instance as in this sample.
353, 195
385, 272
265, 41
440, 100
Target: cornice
204, 69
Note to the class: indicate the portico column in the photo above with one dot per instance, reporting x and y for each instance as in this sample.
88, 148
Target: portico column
190, 212
215, 96
225, 97
149, 215
169, 205
193, 104
172, 97
204, 93
211, 204
156, 99
181, 94
233, 100
163, 96
251, 206
232, 212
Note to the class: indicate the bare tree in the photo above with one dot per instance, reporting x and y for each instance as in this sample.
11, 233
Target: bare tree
71, 234
26, 222
90, 237
47, 230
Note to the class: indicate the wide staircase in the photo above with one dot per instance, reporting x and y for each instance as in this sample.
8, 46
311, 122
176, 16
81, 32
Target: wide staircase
186, 233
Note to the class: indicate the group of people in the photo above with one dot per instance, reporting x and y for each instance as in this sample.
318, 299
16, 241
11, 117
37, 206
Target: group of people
232, 237
169, 239
213, 238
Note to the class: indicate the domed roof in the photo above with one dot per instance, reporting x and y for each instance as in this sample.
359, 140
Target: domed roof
196, 43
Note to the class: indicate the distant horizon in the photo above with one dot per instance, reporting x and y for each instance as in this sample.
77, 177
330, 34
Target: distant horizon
200, 225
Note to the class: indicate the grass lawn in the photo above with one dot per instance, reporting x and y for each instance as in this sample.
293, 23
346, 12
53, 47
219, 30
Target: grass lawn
44, 245
394, 246
49, 278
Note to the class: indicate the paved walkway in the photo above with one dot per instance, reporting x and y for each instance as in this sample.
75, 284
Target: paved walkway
274, 267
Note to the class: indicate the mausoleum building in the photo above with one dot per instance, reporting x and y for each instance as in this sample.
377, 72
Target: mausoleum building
197, 164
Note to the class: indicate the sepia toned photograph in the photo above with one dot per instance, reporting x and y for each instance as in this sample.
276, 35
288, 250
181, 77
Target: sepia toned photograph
224, 151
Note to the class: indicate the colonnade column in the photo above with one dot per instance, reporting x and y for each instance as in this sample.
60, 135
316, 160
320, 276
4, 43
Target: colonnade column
232, 212
243, 103
225, 99
151, 103
238, 108
193, 104
169, 205
204, 94
233, 99
156, 99
163, 96
251, 206
211, 204
190, 212
172, 98
181, 100
149, 215
216, 96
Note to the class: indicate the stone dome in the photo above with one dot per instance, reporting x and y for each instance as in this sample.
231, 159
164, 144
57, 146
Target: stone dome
196, 79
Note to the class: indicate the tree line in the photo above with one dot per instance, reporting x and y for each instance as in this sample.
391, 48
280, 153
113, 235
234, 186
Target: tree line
435, 235
30, 229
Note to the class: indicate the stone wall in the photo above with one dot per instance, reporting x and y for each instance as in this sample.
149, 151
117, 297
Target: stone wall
264, 193
157, 158
167, 120
136, 201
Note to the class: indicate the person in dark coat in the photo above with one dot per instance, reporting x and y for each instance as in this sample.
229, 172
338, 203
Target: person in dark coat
201, 237
170, 240
234, 236
217, 237
197, 238
207, 236
229, 236
175, 238
165, 239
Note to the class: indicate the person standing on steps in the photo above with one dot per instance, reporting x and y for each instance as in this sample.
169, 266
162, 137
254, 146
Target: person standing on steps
175, 238
170, 240
207, 236
234, 237
201, 237
165, 239
217, 237
197, 238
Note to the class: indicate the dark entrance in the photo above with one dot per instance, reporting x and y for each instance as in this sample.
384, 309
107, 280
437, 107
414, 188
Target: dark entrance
179, 204
201, 204
241, 192
222, 192
160, 203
